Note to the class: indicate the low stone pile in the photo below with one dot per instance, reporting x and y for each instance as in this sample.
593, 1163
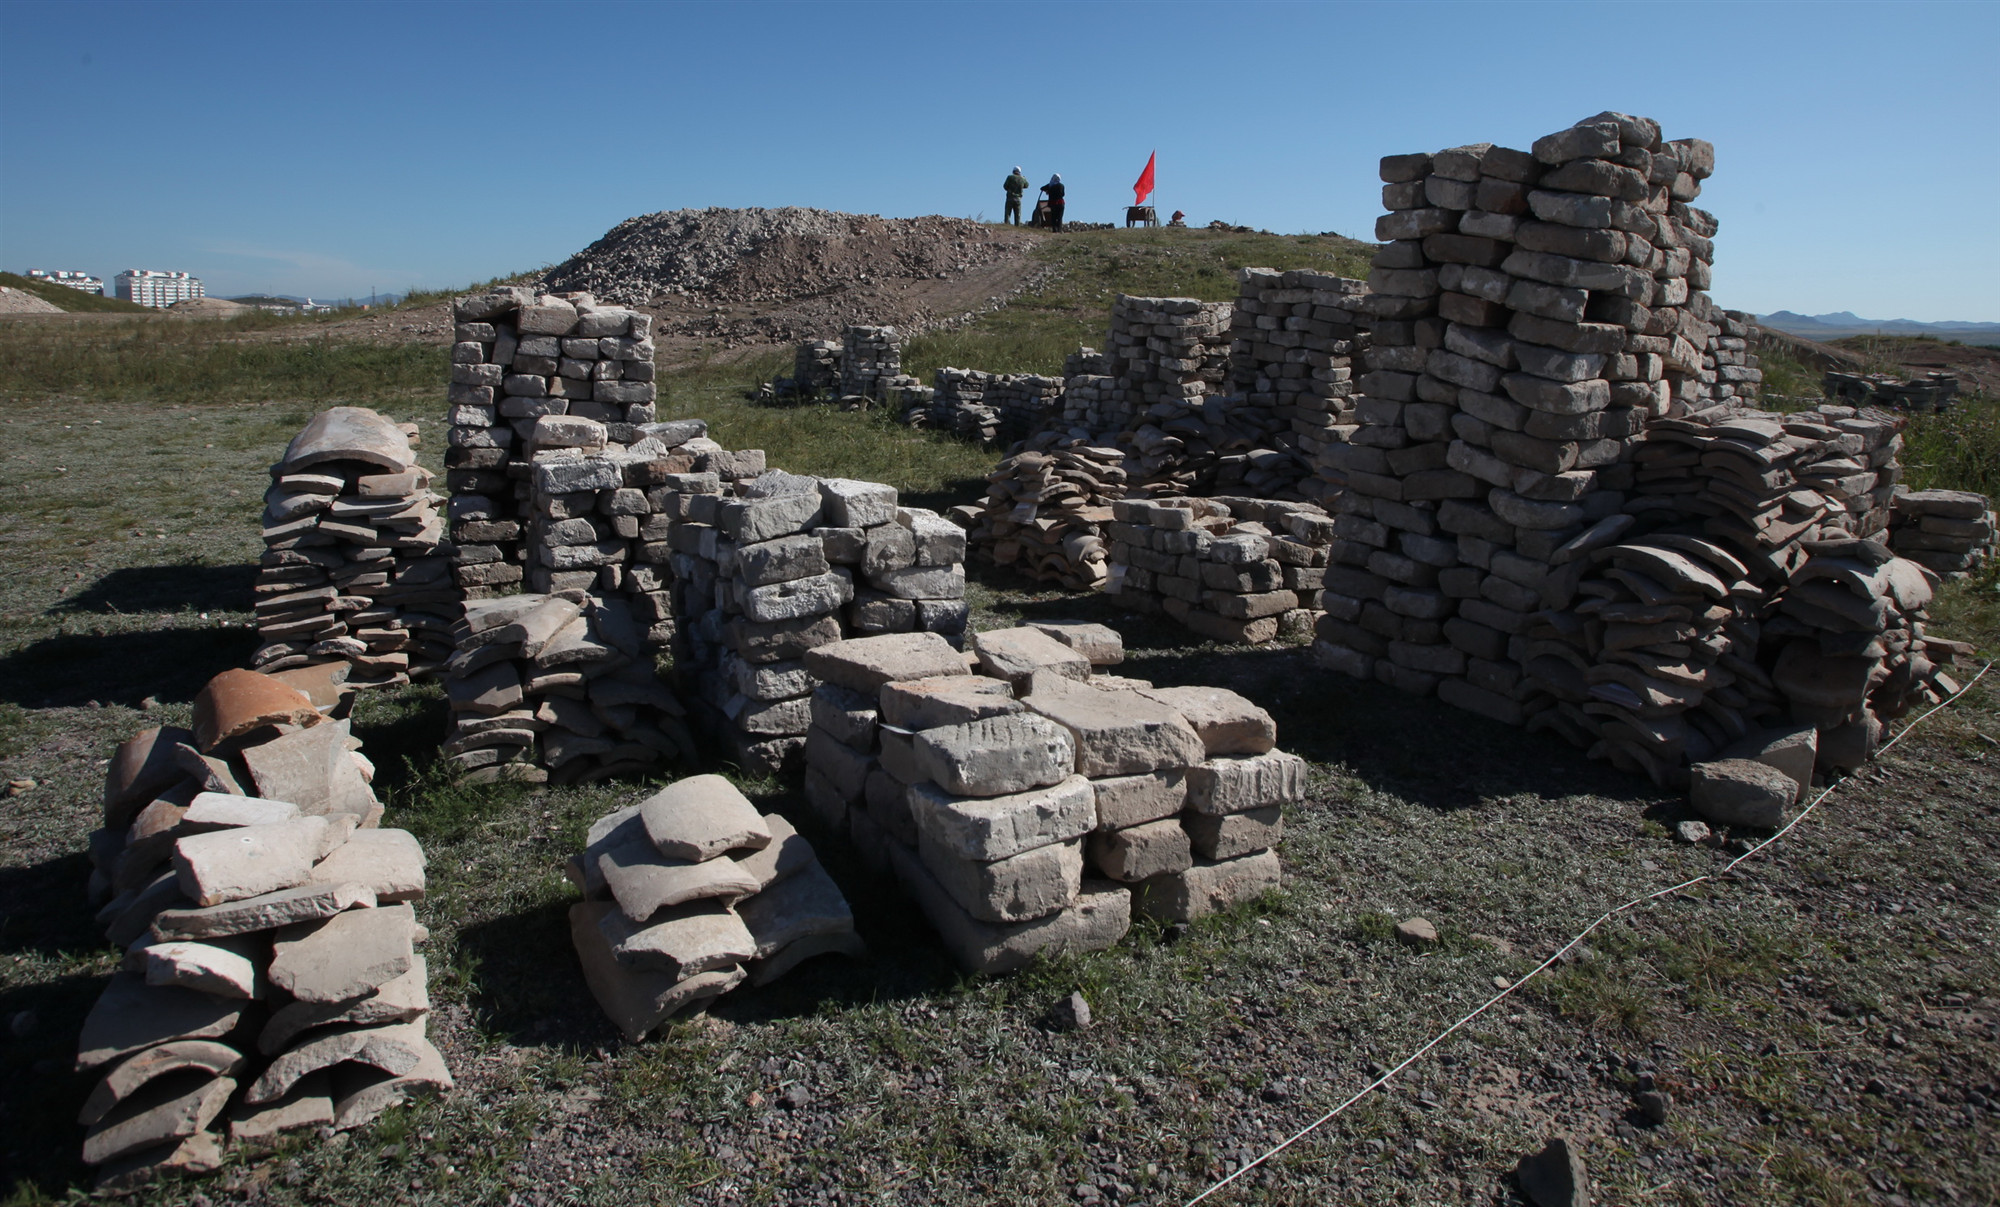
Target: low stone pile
1045, 511
986, 406
558, 687
784, 564
1949, 532
355, 566
690, 893
1293, 339
518, 356
1031, 806
1230, 569
271, 980
1934, 391
871, 364
816, 368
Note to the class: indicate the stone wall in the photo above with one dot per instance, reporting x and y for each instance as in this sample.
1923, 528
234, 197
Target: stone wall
1950, 532
981, 406
1230, 569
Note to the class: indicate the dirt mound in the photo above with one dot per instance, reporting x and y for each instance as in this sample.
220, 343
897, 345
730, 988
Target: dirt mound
786, 273
20, 301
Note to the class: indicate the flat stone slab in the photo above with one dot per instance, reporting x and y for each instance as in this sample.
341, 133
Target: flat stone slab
197, 1055
131, 1015
644, 882
1016, 889
1100, 643
1154, 849
220, 811
161, 1112
266, 912
702, 936
1793, 750
802, 905
1117, 733
395, 1049
391, 862
361, 1092
788, 852
1238, 784
346, 956
987, 828
1206, 888
225, 968
1017, 655
636, 1000
864, 664
1741, 792
1131, 800
995, 756
1235, 834
313, 769
248, 861
399, 1000
1098, 917
701, 817
917, 704
308, 1104
1226, 722
348, 434
199, 1153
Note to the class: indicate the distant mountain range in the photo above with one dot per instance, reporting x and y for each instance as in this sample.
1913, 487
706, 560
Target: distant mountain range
1845, 322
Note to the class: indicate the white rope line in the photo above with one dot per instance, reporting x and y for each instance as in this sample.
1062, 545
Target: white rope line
1609, 914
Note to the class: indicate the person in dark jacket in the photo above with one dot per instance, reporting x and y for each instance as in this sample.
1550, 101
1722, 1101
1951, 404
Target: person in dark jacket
1054, 189
1015, 185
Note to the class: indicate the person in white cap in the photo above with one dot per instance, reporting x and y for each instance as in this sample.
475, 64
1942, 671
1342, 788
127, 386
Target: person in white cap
1016, 185
1054, 188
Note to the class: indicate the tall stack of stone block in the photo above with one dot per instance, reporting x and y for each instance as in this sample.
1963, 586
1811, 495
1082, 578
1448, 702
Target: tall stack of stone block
871, 364
1293, 339
785, 563
1230, 569
558, 687
1949, 532
270, 981
1028, 806
1729, 358
355, 567
816, 367
519, 356
690, 893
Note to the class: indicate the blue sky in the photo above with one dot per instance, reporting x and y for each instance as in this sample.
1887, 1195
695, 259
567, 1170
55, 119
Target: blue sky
333, 148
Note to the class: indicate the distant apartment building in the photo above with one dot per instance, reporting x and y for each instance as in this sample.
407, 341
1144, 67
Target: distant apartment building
150, 287
75, 280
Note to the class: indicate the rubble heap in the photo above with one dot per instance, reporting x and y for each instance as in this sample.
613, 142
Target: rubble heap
1045, 511
271, 977
1293, 338
690, 893
1934, 391
519, 356
355, 564
1230, 569
780, 564
1030, 806
558, 687
1949, 532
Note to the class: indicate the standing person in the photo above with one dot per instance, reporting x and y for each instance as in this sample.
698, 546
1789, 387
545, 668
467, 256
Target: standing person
1015, 185
1054, 188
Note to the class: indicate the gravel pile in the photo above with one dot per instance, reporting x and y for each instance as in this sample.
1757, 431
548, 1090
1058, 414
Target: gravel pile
20, 301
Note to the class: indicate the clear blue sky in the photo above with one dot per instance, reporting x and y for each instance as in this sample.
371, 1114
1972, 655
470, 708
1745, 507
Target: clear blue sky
331, 148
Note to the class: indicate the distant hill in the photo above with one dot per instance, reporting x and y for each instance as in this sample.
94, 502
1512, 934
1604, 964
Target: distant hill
1846, 322
76, 301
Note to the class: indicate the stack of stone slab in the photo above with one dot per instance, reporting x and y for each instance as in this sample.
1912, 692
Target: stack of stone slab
1230, 569
355, 565
690, 893
1934, 391
816, 368
270, 978
982, 406
558, 687
1949, 532
999, 798
519, 356
1729, 357
1293, 339
782, 564
871, 364
1045, 510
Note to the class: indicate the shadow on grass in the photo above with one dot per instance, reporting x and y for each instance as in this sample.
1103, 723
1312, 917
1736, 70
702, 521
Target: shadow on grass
120, 668
40, 1093
953, 493
165, 589
43, 909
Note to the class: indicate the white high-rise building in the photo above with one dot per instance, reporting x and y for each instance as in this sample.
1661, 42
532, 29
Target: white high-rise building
74, 279
150, 287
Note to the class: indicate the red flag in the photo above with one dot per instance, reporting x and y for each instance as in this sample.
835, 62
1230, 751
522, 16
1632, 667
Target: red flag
1144, 188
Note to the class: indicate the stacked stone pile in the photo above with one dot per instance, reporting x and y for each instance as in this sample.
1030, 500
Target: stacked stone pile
786, 563
1933, 391
558, 687
987, 406
1082, 362
1045, 511
1729, 357
871, 364
356, 567
1293, 339
1030, 805
816, 367
1230, 569
1949, 532
520, 356
690, 893
271, 980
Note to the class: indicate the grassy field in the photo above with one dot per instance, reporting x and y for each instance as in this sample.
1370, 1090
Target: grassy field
1824, 1019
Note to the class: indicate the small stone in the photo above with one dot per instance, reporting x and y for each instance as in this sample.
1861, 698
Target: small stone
1555, 1176
796, 1097
1653, 1105
17, 787
1071, 1014
1692, 831
1739, 792
1416, 932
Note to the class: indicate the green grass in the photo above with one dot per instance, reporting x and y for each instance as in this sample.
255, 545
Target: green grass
75, 301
